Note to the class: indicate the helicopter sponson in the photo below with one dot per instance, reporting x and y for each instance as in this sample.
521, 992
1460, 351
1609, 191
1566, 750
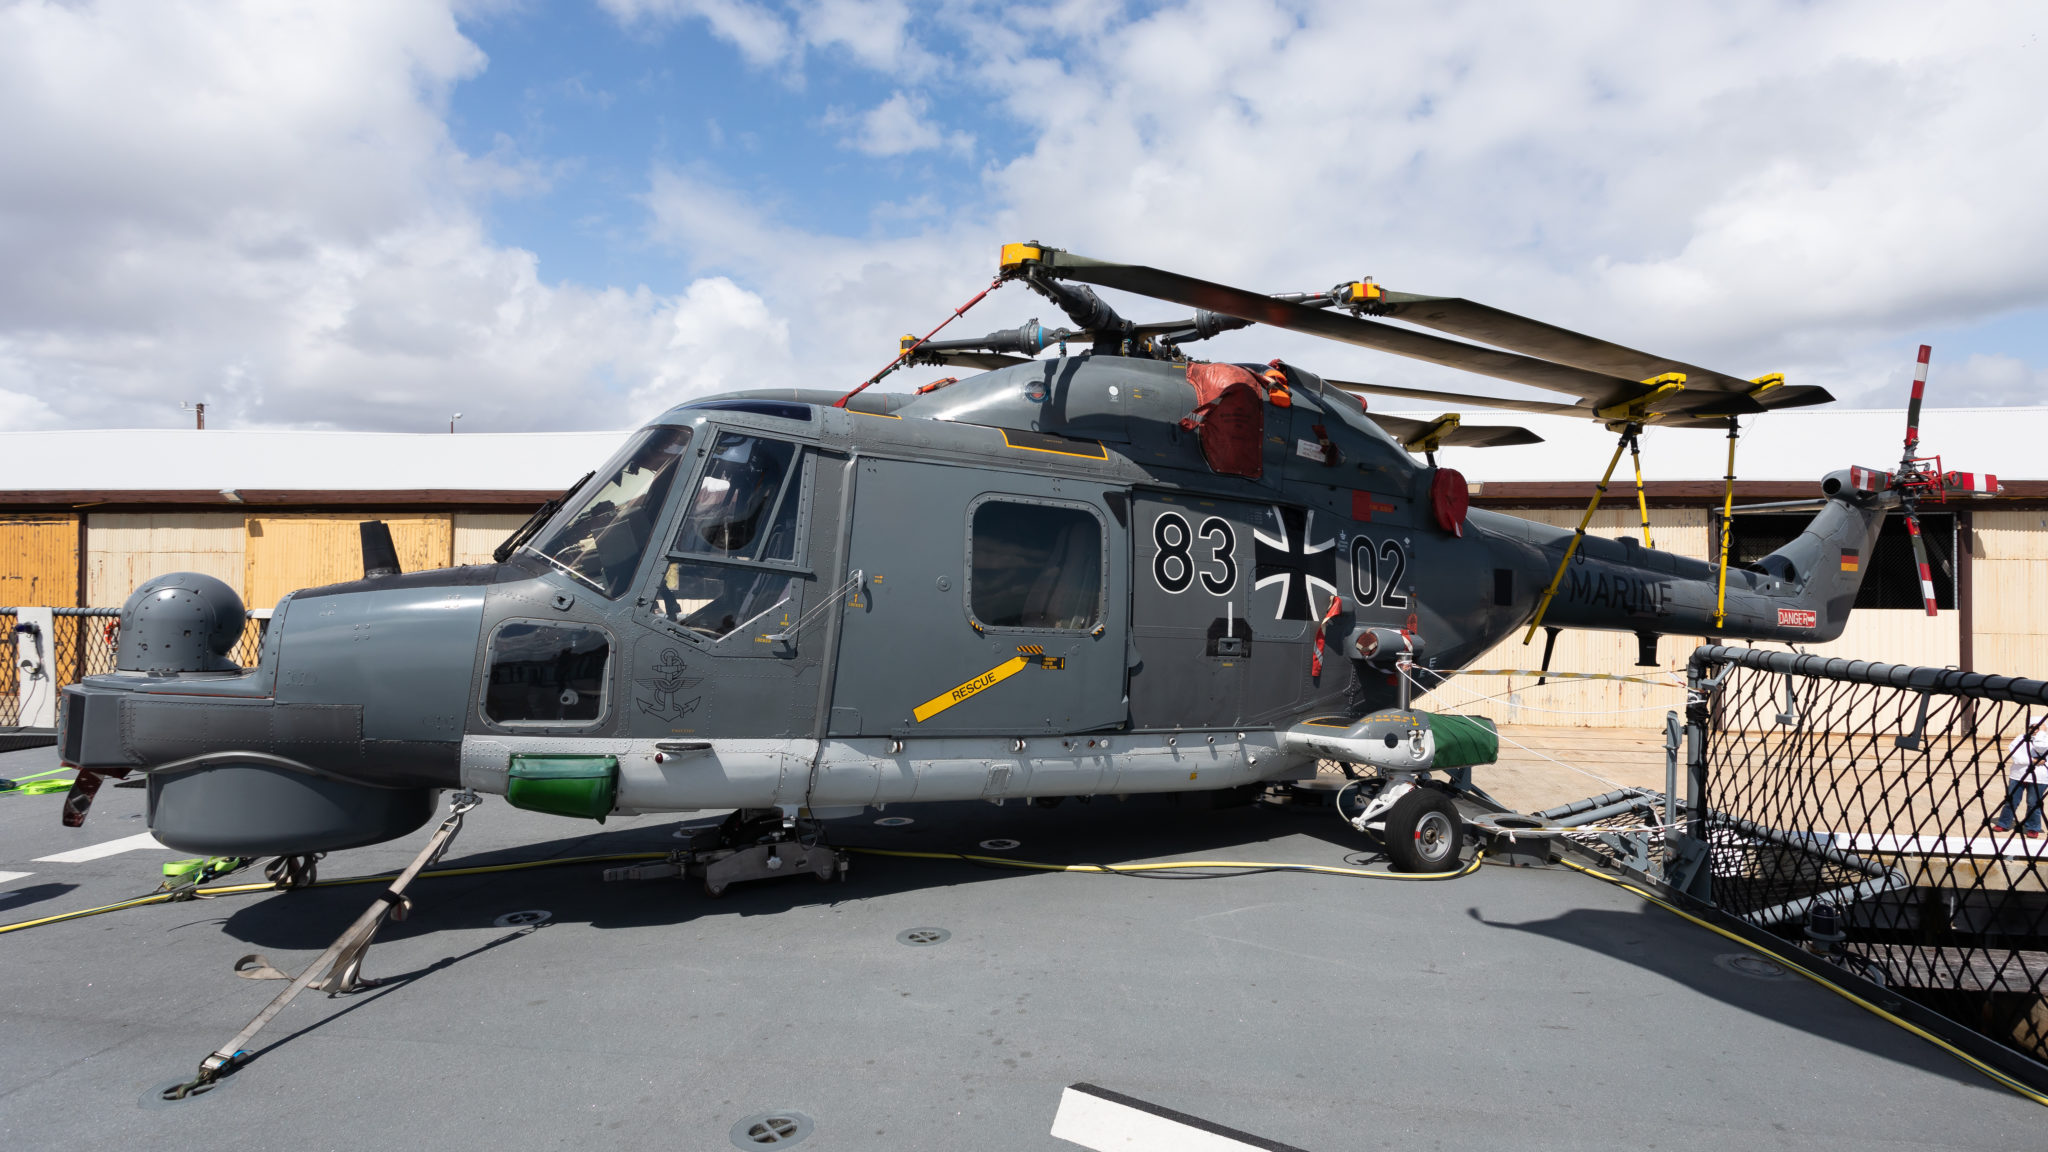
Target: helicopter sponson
1088, 574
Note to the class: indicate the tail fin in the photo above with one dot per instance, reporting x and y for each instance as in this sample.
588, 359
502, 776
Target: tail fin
1826, 561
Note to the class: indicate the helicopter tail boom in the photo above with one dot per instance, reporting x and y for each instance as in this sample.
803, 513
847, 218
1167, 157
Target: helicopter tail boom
1801, 593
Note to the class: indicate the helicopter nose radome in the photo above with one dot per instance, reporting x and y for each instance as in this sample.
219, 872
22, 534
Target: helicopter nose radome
181, 622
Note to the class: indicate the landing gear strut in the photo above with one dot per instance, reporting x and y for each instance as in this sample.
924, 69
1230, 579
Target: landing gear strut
750, 844
1415, 820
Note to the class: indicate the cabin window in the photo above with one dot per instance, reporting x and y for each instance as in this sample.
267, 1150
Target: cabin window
1035, 566
544, 673
745, 507
717, 600
601, 542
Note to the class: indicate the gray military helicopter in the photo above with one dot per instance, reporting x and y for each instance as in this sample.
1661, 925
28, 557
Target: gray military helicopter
1113, 570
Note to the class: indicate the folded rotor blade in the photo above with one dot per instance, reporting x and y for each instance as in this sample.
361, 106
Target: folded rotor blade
1488, 325
1712, 409
1600, 387
1546, 407
1795, 396
1463, 436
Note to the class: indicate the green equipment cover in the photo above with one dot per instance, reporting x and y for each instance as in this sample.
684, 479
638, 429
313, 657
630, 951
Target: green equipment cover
585, 786
1462, 741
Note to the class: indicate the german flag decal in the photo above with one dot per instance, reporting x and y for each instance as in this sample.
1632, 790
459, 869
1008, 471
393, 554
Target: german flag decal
1852, 559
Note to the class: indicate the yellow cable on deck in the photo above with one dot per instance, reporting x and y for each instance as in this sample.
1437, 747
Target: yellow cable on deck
523, 865
1114, 869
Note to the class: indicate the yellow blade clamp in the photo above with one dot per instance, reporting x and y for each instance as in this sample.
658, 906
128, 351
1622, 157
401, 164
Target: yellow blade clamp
1431, 438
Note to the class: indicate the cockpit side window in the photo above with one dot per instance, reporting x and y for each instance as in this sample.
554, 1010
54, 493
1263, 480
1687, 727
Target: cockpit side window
745, 508
602, 541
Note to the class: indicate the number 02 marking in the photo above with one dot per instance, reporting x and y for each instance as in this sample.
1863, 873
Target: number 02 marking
1375, 575
1175, 569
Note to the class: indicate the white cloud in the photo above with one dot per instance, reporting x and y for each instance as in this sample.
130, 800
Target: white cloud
760, 35
873, 33
260, 207
898, 126
1754, 186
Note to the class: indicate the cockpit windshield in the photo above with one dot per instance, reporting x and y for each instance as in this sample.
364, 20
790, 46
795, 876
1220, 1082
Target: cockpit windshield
602, 541
742, 489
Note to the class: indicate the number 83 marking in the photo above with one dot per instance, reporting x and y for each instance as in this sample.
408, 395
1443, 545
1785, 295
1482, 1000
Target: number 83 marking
1175, 567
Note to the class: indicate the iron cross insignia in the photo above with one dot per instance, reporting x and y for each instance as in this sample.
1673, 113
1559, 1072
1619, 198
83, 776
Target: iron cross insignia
1295, 564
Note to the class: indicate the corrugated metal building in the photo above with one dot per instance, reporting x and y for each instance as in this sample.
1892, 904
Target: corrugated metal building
87, 515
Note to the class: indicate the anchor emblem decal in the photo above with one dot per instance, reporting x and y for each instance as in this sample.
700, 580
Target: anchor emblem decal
657, 695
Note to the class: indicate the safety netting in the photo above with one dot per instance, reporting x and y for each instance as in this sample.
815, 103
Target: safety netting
1880, 815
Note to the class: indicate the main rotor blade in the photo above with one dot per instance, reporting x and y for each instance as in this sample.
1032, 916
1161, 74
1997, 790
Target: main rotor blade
1920, 558
1795, 396
1602, 388
1546, 407
1712, 409
1463, 436
1488, 325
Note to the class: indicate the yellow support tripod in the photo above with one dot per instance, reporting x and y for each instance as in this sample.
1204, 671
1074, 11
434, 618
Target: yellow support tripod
1626, 419
1727, 531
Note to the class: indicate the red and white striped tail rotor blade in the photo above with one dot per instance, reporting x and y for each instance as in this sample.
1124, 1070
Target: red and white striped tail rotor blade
1919, 390
1971, 483
1920, 558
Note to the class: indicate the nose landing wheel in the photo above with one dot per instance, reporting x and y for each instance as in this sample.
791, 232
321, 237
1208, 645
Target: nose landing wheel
1424, 832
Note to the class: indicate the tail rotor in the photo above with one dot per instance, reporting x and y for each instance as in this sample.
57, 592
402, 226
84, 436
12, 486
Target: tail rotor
1921, 478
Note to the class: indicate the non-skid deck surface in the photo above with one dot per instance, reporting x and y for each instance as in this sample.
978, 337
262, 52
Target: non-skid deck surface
1527, 1009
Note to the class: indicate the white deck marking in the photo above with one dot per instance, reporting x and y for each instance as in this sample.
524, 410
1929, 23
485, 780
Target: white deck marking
6, 877
1112, 1122
96, 851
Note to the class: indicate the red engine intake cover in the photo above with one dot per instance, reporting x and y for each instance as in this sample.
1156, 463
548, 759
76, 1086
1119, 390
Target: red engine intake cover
1449, 498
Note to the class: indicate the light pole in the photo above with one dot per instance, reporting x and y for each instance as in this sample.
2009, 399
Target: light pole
451, 422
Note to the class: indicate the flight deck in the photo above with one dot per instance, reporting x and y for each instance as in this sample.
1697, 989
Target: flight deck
934, 1004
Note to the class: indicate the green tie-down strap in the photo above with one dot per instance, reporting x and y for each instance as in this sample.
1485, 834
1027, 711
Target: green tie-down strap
585, 786
1462, 741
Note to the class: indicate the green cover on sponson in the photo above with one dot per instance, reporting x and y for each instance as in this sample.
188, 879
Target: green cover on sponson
586, 786
1462, 741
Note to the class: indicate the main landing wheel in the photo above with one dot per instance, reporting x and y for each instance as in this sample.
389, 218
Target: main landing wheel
1424, 832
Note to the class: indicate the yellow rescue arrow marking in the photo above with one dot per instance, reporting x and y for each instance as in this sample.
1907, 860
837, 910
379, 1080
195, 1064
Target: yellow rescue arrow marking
988, 679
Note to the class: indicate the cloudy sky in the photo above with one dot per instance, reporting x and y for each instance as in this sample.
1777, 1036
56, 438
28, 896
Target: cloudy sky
572, 214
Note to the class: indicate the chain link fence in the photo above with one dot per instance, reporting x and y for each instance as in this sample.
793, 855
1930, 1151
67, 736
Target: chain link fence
10, 673
86, 642
1869, 812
